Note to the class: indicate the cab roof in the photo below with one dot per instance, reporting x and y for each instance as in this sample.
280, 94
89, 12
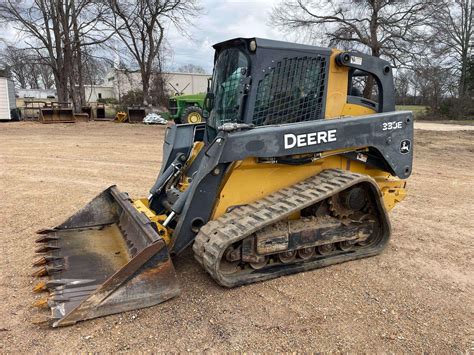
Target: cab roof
271, 44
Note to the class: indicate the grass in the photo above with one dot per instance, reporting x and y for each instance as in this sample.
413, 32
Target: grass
417, 110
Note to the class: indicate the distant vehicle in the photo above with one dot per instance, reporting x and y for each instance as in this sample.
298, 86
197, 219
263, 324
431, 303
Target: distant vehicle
8, 109
187, 108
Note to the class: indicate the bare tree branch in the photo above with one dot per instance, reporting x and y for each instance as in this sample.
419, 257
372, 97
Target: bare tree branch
140, 26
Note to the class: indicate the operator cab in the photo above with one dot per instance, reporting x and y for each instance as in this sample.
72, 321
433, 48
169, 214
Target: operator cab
260, 82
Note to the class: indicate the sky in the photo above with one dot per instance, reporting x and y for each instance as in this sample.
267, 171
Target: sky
221, 20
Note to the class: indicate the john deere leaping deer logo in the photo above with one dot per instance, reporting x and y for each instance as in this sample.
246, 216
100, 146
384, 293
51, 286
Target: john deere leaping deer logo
405, 146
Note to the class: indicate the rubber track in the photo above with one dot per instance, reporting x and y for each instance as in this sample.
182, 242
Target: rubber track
216, 236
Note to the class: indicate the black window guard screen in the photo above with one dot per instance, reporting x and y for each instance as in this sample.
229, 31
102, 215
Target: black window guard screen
292, 91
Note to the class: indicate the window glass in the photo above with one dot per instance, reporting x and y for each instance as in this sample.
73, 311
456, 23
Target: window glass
230, 68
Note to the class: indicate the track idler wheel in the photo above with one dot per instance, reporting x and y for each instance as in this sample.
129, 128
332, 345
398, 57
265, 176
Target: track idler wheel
306, 253
326, 249
260, 264
287, 256
346, 245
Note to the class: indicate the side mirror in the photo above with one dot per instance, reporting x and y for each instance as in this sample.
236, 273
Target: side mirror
209, 101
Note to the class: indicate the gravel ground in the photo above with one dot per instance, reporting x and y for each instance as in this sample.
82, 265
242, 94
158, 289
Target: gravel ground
417, 296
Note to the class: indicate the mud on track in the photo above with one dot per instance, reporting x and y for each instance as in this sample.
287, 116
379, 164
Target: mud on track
417, 296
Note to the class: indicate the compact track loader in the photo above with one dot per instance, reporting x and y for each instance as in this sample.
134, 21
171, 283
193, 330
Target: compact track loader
294, 170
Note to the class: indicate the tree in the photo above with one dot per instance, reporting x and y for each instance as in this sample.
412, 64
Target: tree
140, 27
26, 68
470, 78
46, 75
95, 68
192, 68
14, 59
402, 87
382, 28
452, 26
58, 30
433, 83
158, 90
470, 90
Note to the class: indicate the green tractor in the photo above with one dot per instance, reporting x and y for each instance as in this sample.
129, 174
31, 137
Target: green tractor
187, 108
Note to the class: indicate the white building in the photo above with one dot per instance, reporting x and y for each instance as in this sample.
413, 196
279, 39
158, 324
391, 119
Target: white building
36, 94
124, 81
187, 83
118, 82
96, 92
93, 93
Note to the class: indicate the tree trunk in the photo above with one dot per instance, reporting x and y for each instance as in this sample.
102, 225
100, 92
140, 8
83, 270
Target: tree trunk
146, 87
375, 48
61, 88
463, 77
81, 92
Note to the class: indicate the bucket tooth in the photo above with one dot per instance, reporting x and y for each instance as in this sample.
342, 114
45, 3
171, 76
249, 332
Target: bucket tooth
40, 319
46, 249
40, 262
40, 287
46, 239
45, 260
41, 272
41, 303
47, 271
45, 231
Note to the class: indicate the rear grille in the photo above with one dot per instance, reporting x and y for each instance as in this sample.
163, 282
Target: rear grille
172, 107
293, 91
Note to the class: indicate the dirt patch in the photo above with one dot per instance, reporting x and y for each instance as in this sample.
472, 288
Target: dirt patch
442, 127
417, 296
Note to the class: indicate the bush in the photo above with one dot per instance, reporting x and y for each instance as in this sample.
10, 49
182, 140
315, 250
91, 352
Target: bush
132, 98
158, 93
450, 108
108, 101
